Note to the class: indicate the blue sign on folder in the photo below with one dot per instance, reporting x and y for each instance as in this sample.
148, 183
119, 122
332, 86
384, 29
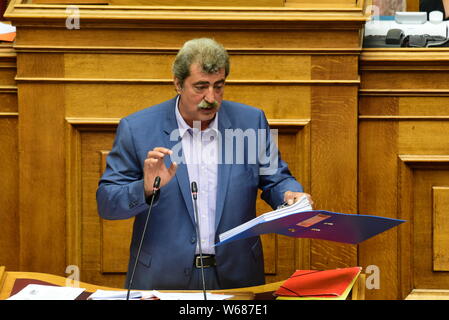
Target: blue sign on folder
300, 221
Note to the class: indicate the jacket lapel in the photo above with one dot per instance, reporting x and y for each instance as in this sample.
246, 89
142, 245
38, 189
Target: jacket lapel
224, 170
182, 175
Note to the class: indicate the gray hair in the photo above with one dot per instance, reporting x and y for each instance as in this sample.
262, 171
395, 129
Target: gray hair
209, 54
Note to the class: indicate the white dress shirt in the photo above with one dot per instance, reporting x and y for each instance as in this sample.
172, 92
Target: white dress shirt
200, 151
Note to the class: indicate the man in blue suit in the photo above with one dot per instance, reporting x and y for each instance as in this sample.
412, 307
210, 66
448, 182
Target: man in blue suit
225, 147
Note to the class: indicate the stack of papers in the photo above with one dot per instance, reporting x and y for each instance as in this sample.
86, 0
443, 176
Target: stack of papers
301, 205
154, 295
42, 292
116, 295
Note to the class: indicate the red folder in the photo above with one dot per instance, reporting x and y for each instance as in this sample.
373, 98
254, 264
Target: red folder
314, 283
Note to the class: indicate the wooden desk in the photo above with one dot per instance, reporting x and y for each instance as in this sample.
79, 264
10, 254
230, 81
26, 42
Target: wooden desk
8, 278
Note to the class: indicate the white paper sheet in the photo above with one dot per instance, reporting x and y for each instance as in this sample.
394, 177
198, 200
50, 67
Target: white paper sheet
148, 295
42, 292
6, 28
189, 296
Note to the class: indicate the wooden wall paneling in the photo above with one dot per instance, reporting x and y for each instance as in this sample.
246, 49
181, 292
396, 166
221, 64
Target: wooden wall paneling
334, 165
101, 246
98, 257
115, 237
378, 196
302, 246
7, 73
403, 115
440, 228
282, 254
427, 173
9, 169
9, 231
150, 64
42, 163
334, 133
8, 100
139, 38
74, 194
120, 63
42, 200
378, 180
405, 207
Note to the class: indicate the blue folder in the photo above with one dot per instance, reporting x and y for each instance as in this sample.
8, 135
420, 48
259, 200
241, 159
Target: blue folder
319, 224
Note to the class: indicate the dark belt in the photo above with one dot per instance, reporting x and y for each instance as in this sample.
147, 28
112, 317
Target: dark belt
208, 261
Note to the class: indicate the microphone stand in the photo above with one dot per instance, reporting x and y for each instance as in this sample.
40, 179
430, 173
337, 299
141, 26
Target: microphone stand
195, 207
157, 182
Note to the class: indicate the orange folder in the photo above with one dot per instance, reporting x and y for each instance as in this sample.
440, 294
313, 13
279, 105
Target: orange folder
314, 283
8, 36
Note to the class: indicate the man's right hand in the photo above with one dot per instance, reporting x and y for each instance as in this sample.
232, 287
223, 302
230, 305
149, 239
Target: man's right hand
154, 166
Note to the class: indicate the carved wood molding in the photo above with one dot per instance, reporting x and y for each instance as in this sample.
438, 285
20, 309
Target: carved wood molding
404, 118
420, 159
406, 165
170, 81
90, 123
8, 89
404, 92
163, 50
400, 56
9, 114
257, 15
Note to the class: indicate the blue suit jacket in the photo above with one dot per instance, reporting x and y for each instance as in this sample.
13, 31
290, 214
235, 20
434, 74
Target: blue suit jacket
166, 260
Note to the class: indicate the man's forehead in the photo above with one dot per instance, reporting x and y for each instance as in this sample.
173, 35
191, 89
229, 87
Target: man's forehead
197, 70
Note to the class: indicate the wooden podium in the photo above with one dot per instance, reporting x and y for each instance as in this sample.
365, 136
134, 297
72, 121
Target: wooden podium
8, 282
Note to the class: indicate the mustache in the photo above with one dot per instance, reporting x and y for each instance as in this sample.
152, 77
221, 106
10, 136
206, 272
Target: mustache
204, 105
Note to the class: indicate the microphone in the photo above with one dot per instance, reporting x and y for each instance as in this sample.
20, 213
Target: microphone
197, 225
156, 184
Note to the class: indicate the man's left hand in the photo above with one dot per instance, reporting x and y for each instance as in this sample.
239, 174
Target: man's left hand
291, 197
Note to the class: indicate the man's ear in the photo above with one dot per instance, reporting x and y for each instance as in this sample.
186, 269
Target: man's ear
178, 86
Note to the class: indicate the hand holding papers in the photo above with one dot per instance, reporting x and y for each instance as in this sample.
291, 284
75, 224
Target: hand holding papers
300, 221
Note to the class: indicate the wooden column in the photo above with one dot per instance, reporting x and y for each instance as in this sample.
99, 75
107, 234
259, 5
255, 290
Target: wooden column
9, 171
